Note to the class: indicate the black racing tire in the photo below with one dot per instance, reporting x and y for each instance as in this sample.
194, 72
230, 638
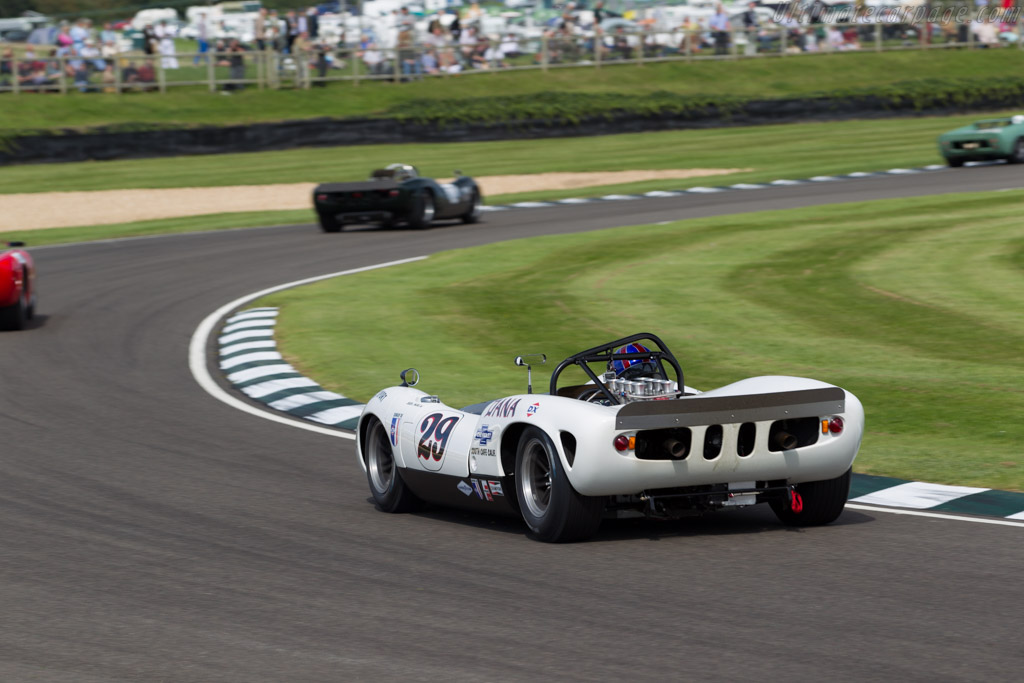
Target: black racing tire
1018, 153
422, 214
473, 215
955, 163
329, 223
550, 506
823, 502
383, 474
15, 316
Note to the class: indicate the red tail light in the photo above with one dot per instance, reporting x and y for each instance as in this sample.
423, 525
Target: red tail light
621, 443
321, 198
835, 425
357, 195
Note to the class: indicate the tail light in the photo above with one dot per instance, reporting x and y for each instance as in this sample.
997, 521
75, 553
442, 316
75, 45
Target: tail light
357, 195
321, 198
624, 443
835, 425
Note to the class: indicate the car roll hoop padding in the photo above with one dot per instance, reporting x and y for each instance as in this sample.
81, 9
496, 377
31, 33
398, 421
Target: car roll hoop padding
606, 353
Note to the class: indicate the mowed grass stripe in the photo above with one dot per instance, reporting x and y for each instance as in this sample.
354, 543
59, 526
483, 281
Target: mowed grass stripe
792, 292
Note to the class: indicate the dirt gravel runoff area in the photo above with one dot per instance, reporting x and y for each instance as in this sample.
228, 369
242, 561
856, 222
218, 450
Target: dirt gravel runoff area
69, 209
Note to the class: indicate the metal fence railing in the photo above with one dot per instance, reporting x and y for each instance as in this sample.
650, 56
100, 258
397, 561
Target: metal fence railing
320, 66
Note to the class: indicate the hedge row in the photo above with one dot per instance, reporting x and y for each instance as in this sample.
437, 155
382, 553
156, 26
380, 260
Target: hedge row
559, 109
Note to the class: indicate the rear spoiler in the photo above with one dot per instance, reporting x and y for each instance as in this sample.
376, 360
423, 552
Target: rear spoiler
708, 410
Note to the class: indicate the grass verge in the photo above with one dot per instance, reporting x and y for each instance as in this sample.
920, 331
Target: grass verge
770, 77
917, 306
164, 226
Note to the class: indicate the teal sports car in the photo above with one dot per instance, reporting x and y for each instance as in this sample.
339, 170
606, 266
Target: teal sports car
396, 194
985, 140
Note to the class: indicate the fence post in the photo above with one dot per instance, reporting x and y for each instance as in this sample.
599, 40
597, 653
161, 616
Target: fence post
597, 46
61, 66
355, 66
14, 75
878, 36
117, 75
544, 52
259, 71
397, 66
161, 76
640, 48
211, 57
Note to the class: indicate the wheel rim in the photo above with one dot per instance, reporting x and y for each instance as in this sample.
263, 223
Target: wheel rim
428, 208
379, 460
535, 475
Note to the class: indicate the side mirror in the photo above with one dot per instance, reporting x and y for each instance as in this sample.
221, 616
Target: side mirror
410, 377
521, 362
458, 173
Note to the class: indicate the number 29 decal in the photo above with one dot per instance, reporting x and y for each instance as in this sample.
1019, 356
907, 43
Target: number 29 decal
435, 430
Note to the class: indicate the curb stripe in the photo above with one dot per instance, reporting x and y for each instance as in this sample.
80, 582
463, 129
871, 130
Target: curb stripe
916, 494
281, 377
264, 389
246, 358
248, 334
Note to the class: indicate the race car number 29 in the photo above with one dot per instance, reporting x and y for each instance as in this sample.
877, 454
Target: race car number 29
435, 430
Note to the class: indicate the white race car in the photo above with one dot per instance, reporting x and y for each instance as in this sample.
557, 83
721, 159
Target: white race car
626, 439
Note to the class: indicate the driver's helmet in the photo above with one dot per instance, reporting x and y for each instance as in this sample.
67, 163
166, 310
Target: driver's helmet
633, 368
403, 172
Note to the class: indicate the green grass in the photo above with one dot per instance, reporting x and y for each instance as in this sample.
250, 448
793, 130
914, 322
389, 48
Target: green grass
792, 150
773, 77
164, 226
916, 306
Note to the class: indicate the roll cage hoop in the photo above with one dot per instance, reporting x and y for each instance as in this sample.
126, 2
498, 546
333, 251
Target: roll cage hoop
605, 353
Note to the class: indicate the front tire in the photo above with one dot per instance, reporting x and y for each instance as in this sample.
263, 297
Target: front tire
389, 491
550, 506
1018, 152
422, 210
823, 502
328, 223
955, 163
15, 316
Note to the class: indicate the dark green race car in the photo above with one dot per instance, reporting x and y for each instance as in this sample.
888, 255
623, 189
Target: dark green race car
985, 140
396, 194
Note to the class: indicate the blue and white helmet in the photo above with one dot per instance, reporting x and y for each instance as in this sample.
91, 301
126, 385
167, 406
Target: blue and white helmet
635, 367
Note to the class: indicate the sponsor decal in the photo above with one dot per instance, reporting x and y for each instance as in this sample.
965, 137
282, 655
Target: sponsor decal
506, 407
531, 410
486, 489
485, 452
381, 396
484, 435
435, 430
395, 421
465, 488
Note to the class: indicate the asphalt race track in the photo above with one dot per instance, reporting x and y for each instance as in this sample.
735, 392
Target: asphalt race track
152, 533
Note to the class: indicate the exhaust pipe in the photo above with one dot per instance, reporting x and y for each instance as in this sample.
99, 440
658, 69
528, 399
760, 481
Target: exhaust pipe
675, 448
784, 441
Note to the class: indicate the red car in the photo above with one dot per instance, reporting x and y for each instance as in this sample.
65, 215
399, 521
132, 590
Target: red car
17, 287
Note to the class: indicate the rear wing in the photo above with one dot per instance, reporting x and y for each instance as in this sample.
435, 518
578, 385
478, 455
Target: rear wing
692, 411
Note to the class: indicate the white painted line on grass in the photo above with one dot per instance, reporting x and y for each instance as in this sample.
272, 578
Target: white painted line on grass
939, 515
200, 338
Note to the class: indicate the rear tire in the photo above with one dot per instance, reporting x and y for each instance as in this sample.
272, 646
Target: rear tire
329, 223
15, 316
549, 504
422, 210
389, 491
473, 215
823, 502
